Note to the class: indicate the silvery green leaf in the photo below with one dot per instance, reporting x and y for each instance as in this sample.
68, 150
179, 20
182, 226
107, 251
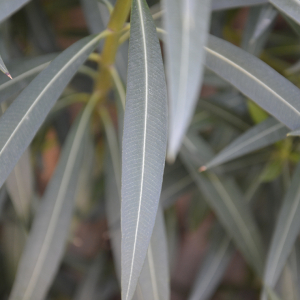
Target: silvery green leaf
3, 68
187, 24
20, 186
228, 4
7, 8
154, 280
14, 239
45, 245
256, 80
223, 113
88, 288
224, 197
214, 265
290, 7
258, 27
261, 135
144, 144
288, 282
25, 115
285, 233
266, 17
23, 72
272, 295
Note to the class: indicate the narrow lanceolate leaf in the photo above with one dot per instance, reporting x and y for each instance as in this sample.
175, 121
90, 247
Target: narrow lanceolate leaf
25, 115
256, 80
23, 72
285, 234
45, 244
290, 7
3, 68
267, 15
264, 134
20, 186
228, 4
233, 212
7, 8
154, 280
187, 24
144, 144
214, 265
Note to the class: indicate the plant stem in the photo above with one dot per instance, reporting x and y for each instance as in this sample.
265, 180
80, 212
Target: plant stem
115, 25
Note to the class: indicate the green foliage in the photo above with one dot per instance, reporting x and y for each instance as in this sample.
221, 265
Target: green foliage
89, 210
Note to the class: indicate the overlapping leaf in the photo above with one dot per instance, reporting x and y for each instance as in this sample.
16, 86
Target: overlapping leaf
226, 200
20, 186
286, 232
290, 7
256, 80
45, 244
227, 4
259, 136
154, 278
7, 8
144, 144
25, 115
187, 24
214, 265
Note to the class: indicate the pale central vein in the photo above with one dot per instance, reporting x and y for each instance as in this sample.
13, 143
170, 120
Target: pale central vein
49, 84
144, 140
63, 188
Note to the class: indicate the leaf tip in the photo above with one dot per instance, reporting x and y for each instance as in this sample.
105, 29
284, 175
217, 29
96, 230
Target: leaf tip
8, 75
202, 169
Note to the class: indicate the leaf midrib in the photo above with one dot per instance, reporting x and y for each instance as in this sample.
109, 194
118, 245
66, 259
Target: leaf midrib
141, 16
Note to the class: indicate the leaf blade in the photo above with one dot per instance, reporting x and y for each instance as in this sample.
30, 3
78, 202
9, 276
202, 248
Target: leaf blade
187, 25
45, 244
256, 80
26, 114
257, 137
285, 233
8, 8
144, 144
290, 8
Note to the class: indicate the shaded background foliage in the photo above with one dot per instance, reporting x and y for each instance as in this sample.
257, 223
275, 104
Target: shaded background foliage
193, 231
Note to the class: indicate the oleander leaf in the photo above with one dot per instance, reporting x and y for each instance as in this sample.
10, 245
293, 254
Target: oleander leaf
187, 24
224, 197
261, 135
256, 80
144, 144
228, 4
258, 27
285, 233
45, 244
214, 265
7, 8
290, 7
3, 68
23, 72
154, 278
25, 115
19, 186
